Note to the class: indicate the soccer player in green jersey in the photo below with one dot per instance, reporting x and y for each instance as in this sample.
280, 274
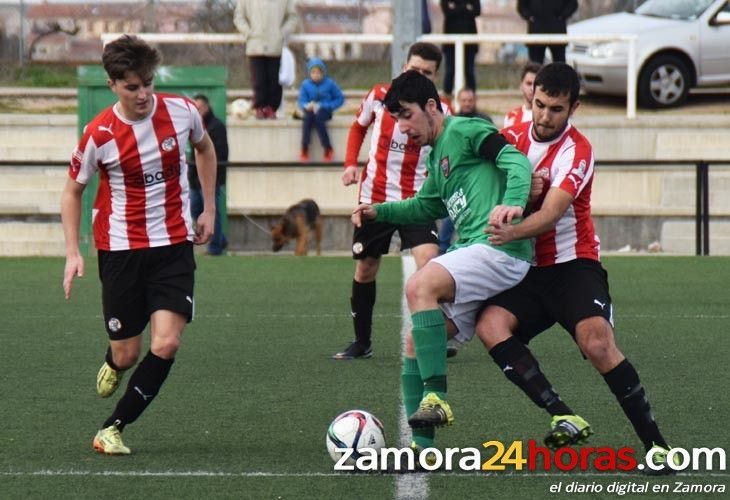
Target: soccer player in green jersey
473, 173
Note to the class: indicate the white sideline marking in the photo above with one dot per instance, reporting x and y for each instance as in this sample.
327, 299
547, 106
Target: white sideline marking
408, 486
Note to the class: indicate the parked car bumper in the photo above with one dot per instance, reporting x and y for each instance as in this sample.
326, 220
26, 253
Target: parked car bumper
600, 76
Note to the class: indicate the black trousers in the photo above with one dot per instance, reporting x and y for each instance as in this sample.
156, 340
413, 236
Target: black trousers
470, 54
537, 53
265, 81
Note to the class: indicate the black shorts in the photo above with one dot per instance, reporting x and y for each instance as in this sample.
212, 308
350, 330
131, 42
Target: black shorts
373, 239
136, 283
563, 293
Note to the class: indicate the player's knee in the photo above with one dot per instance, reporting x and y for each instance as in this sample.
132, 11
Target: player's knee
125, 358
366, 271
417, 290
595, 338
166, 347
495, 325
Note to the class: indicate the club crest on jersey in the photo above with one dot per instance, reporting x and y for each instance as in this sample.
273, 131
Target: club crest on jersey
168, 144
445, 167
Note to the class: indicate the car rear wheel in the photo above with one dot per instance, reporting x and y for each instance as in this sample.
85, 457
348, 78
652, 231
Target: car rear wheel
663, 82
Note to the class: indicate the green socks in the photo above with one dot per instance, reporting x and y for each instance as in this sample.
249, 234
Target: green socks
412, 387
429, 337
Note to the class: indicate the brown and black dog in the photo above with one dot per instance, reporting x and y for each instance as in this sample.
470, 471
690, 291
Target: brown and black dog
298, 222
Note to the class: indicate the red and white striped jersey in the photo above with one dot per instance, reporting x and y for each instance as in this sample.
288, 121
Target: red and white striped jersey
567, 162
143, 196
396, 165
517, 115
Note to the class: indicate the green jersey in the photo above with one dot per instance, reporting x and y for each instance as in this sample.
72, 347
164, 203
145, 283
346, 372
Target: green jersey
464, 185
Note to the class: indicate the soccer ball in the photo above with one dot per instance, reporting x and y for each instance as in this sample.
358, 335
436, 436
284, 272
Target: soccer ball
240, 109
356, 429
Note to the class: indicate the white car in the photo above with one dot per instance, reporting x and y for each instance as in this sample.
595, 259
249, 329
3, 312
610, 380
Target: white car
681, 44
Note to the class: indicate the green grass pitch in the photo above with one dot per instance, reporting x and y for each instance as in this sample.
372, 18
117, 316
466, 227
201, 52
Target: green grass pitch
245, 409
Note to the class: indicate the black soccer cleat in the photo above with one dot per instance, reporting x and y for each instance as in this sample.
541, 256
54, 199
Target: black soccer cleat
354, 351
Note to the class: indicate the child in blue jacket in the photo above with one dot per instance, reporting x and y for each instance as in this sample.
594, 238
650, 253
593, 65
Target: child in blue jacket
319, 97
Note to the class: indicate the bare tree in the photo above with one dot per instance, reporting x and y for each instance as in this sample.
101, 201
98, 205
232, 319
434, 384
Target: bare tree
50, 29
215, 16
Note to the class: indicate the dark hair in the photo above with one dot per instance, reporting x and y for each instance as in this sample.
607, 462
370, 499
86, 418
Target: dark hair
411, 86
530, 67
130, 54
201, 97
426, 51
466, 89
558, 79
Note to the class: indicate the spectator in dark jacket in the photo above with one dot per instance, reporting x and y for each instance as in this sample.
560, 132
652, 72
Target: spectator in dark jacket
547, 16
460, 18
319, 97
219, 135
425, 18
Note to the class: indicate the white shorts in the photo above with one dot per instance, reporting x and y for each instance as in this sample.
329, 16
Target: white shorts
480, 272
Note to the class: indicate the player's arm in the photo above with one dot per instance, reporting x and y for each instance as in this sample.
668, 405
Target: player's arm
553, 207
363, 212
425, 207
519, 176
206, 163
71, 221
356, 136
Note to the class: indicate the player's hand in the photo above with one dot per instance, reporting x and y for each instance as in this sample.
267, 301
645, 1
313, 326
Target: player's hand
500, 234
536, 187
503, 214
74, 267
363, 212
204, 227
349, 176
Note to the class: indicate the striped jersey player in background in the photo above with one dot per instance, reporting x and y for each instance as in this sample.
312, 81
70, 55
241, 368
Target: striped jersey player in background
523, 113
566, 284
395, 171
142, 226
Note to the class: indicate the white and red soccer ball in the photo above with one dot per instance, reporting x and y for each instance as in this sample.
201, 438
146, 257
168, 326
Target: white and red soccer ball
356, 429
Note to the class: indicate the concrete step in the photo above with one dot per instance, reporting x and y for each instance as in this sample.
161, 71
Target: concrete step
33, 178
32, 249
53, 137
31, 239
31, 231
29, 202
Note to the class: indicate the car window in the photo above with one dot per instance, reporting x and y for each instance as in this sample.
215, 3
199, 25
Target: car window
687, 10
723, 15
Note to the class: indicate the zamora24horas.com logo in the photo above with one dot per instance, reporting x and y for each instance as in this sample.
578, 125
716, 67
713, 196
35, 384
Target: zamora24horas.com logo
515, 456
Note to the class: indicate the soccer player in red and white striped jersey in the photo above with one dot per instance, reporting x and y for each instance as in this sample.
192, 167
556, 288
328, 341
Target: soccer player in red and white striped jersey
567, 284
142, 226
523, 113
395, 171
564, 162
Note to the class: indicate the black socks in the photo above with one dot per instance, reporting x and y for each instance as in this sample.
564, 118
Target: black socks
520, 366
362, 303
624, 382
143, 386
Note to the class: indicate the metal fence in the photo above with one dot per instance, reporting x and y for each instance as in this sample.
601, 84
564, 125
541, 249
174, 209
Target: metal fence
701, 168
